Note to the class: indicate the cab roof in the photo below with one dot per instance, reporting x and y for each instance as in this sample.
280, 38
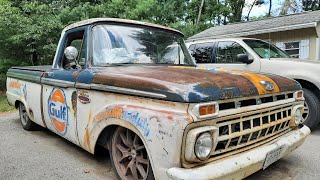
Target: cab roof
116, 20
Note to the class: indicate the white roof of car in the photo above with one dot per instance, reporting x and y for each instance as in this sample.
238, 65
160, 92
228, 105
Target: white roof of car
116, 20
268, 25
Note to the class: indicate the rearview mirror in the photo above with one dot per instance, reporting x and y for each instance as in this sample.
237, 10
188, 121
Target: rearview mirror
71, 53
244, 58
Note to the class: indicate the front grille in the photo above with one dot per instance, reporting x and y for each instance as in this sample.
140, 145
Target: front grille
254, 101
247, 130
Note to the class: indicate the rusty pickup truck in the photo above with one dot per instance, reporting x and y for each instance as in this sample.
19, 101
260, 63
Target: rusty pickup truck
123, 86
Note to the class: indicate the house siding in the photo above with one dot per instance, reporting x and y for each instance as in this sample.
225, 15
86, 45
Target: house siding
291, 36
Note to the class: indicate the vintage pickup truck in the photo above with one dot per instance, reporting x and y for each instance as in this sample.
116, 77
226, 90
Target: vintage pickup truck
118, 84
262, 57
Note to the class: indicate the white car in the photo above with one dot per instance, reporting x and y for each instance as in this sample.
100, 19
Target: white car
260, 56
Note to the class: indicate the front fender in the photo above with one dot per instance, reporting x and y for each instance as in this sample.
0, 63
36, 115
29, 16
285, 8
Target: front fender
160, 130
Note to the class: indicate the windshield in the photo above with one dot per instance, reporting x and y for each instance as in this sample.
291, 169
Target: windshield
266, 50
116, 44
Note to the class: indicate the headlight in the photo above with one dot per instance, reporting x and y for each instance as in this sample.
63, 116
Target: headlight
298, 119
203, 146
297, 116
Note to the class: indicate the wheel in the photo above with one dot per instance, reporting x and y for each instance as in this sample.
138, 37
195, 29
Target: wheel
129, 157
311, 113
26, 123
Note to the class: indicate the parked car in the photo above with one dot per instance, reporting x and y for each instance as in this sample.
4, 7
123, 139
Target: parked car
117, 84
260, 56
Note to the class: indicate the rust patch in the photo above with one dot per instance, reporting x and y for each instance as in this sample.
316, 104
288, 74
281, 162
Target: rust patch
116, 112
75, 74
173, 81
89, 117
15, 85
87, 139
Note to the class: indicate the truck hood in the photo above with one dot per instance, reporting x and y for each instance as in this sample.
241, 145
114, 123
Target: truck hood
190, 84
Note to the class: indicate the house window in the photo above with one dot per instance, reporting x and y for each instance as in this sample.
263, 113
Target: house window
292, 48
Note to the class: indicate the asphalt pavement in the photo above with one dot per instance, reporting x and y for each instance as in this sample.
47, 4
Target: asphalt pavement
44, 155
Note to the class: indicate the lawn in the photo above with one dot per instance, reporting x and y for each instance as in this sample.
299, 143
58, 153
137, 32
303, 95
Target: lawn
4, 106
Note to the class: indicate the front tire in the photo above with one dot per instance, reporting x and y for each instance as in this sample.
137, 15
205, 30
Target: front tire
129, 157
311, 113
26, 123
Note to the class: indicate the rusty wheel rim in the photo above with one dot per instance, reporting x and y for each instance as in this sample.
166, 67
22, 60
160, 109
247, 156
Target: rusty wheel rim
129, 155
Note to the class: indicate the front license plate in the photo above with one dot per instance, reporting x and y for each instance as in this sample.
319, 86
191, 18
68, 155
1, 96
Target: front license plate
272, 157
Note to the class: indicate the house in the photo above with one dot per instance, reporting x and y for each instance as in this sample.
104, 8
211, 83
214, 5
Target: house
298, 34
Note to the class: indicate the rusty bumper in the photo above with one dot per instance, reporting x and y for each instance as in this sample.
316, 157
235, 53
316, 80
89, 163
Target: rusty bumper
244, 164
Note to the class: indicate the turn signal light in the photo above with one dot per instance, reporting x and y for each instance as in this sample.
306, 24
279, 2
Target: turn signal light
209, 109
298, 95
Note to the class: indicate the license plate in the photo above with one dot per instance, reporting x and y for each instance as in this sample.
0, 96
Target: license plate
272, 157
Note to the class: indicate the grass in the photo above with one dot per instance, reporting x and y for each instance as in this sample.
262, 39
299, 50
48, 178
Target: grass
4, 106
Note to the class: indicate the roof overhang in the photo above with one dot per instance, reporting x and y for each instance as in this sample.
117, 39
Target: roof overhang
263, 31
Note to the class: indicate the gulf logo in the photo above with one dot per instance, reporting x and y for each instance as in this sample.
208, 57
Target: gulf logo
58, 110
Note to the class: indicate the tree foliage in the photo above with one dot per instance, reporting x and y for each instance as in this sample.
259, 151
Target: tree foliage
30, 29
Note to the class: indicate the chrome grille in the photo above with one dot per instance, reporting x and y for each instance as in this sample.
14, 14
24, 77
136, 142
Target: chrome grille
247, 130
226, 105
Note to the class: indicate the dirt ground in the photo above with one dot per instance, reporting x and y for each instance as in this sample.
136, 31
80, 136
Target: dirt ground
44, 155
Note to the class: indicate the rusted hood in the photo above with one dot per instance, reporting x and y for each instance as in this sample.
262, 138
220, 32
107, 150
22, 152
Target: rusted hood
190, 84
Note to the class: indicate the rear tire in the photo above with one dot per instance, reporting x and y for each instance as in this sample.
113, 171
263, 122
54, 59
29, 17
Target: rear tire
311, 109
26, 123
129, 157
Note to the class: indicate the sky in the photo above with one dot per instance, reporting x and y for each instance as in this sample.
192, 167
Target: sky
262, 9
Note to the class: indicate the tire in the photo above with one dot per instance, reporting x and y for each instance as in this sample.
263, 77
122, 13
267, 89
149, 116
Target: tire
311, 109
127, 149
26, 123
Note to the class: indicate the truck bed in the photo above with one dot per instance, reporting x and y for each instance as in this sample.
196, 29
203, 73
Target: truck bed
28, 73
33, 68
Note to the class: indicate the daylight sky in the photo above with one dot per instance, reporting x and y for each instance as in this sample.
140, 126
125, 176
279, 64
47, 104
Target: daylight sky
262, 9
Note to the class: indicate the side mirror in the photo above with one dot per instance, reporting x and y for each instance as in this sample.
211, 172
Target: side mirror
244, 58
71, 53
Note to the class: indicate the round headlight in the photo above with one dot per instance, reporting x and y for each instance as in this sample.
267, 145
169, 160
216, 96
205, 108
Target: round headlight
298, 119
203, 146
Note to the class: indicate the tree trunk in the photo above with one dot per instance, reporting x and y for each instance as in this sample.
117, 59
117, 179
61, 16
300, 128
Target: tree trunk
200, 10
254, 2
270, 6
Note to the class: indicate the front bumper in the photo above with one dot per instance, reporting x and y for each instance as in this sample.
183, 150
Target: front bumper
242, 165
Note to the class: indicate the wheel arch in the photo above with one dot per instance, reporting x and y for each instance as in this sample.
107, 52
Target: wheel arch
103, 130
16, 103
309, 85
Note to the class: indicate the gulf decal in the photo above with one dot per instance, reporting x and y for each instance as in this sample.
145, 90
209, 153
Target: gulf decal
58, 110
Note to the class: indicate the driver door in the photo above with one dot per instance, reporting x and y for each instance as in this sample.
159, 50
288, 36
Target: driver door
59, 93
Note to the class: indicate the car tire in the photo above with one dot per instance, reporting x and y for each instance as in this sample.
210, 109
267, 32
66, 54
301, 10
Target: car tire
26, 123
312, 109
126, 148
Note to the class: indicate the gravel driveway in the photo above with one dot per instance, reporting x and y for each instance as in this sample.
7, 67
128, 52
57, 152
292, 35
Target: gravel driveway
44, 155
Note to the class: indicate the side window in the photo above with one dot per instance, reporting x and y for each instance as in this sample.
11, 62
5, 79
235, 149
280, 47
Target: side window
201, 52
227, 52
77, 40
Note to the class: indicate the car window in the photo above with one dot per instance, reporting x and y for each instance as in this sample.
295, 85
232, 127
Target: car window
266, 50
77, 40
201, 52
227, 52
